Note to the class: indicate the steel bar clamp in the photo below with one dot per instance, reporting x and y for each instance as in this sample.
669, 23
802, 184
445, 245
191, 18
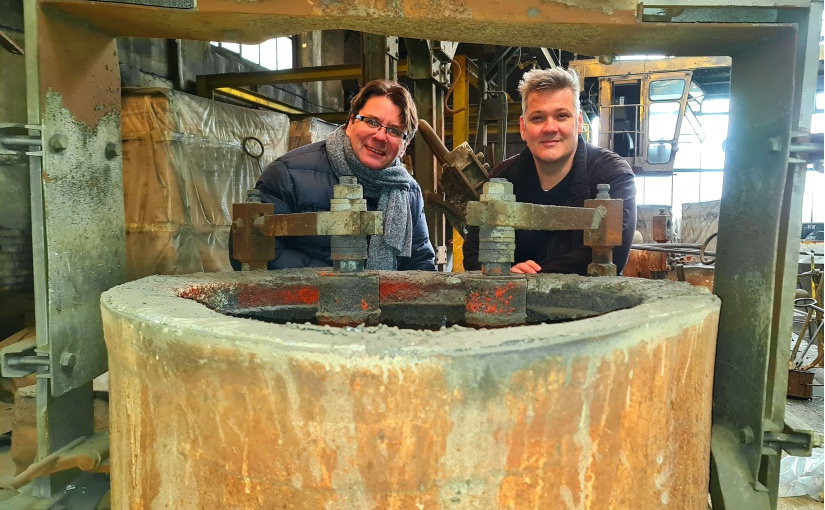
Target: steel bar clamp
254, 225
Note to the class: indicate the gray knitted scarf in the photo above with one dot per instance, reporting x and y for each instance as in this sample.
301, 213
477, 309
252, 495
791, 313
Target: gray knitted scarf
391, 186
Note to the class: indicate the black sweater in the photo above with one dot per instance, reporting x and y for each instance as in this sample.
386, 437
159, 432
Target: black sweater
564, 251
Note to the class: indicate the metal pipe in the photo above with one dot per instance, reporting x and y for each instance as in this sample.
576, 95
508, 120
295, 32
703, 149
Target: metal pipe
805, 147
21, 141
27, 361
433, 141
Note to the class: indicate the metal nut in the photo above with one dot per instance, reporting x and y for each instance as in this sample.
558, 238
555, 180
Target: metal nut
498, 187
746, 435
68, 360
59, 142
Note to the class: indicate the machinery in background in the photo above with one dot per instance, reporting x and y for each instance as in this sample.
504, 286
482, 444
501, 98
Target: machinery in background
643, 106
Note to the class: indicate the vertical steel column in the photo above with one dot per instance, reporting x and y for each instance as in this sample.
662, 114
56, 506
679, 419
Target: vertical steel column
423, 68
461, 134
379, 57
78, 231
761, 197
809, 22
429, 98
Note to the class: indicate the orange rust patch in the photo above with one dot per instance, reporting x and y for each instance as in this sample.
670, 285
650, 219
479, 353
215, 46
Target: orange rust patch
399, 291
497, 304
364, 304
252, 296
402, 420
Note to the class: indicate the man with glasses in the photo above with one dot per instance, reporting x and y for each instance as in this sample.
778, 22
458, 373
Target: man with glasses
382, 121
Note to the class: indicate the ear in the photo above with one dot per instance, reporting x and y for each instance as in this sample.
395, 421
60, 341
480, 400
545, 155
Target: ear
581, 123
521, 127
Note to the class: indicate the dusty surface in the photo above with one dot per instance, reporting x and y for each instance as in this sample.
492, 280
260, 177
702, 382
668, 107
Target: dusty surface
210, 411
590, 28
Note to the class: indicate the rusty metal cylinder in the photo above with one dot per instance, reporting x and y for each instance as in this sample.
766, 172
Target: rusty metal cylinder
208, 410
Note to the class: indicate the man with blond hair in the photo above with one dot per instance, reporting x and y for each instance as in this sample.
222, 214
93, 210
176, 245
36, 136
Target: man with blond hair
559, 168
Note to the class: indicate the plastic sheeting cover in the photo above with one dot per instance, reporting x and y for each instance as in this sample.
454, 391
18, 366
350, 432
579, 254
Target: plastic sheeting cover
802, 476
183, 168
309, 130
699, 221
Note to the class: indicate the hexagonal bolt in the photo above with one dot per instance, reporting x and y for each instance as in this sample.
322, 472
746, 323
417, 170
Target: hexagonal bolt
59, 142
498, 186
68, 360
775, 144
112, 150
746, 435
603, 191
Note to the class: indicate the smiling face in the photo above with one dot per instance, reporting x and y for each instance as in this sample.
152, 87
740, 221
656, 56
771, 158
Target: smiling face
374, 148
550, 125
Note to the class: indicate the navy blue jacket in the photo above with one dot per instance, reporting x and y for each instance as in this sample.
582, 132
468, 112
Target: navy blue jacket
301, 181
563, 251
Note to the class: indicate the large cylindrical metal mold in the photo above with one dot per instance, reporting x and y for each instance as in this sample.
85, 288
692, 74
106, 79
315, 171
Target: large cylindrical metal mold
214, 411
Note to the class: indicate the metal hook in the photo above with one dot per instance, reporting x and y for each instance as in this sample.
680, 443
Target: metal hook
455, 65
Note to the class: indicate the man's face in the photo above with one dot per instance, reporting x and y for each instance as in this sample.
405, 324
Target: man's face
550, 125
375, 148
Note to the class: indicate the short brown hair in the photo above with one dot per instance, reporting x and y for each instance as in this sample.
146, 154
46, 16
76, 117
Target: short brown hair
541, 80
397, 94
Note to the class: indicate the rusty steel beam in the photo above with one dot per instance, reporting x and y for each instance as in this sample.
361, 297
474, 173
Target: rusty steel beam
339, 223
527, 216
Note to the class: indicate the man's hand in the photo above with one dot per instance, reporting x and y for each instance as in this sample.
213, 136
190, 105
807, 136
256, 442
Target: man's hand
528, 267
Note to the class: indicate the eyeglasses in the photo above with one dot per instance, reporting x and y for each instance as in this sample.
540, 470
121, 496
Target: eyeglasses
374, 124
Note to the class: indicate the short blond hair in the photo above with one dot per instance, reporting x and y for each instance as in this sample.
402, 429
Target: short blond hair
541, 80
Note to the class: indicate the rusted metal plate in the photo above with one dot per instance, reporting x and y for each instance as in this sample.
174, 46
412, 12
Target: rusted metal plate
252, 249
609, 231
339, 223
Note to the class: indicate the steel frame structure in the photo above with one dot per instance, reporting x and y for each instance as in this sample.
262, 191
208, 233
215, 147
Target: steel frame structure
76, 181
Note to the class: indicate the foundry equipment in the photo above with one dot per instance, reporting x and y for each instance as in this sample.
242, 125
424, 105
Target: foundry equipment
417, 411
463, 173
348, 296
546, 386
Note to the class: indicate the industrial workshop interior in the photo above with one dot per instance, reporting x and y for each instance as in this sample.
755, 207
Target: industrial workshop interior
152, 357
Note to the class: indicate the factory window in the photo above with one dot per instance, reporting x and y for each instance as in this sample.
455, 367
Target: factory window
273, 54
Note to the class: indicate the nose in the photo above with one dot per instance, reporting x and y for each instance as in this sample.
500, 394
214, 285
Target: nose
381, 134
550, 126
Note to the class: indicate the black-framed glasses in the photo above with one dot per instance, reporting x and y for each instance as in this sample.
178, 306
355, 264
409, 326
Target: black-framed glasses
374, 124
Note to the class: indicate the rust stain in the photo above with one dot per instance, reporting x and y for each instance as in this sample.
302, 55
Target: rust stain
545, 404
497, 303
364, 305
402, 421
399, 290
252, 295
81, 65
576, 438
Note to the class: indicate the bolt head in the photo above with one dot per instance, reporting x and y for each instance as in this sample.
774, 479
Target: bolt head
497, 187
68, 360
112, 150
746, 435
59, 142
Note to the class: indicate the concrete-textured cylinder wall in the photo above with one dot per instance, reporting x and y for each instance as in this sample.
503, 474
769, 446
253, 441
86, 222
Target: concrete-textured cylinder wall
212, 411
